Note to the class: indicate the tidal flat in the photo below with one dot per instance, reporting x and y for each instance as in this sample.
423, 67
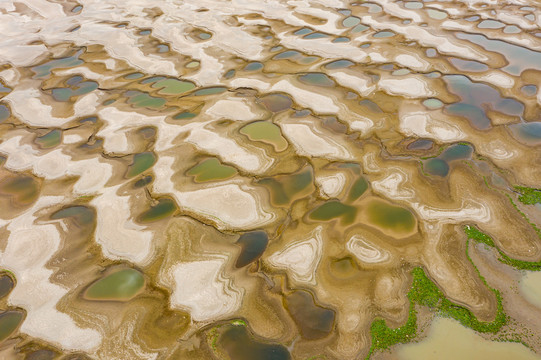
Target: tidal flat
277, 180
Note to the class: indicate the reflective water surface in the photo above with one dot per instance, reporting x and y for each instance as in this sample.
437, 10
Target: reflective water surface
270, 179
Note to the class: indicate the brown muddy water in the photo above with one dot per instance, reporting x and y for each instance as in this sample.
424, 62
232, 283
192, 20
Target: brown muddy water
267, 179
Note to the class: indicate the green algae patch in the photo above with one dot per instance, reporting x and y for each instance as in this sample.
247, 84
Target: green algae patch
286, 188
122, 285
83, 215
185, 115
210, 91
49, 140
266, 132
210, 170
316, 79
334, 209
424, 292
358, 188
141, 162
388, 217
529, 196
9, 322
141, 99
173, 86
163, 209
6, 284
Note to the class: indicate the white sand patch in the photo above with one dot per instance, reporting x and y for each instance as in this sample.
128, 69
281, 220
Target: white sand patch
93, 174
52, 165
412, 62
394, 9
332, 185
230, 151
308, 143
427, 38
300, 259
234, 109
376, 57
497, 149
407, 86
470, 210
422, 124
365, 251
119, 123
28, 250
361, 84
20, 55
370, 164
323, 48
515, 18
309, 99
497, 78
249, 83
359, 123
230, 205
392, 186
118, 235
72, 139
202, 288
10, 77
20, 156
26, 105
86, 72
121, 46
45, 8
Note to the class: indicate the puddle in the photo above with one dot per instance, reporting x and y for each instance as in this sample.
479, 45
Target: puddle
252, 244
519, 58
210, 170
9, 322
122, 285
266, 132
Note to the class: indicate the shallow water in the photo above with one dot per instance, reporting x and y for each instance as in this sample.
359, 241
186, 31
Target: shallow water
120, 285
9, 322
242, 180
6, 285
266, 132
448, 340
211, 169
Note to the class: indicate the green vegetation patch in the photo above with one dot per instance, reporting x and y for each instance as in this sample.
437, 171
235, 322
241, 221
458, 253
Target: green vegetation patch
529, 196
477, 235
425, 293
